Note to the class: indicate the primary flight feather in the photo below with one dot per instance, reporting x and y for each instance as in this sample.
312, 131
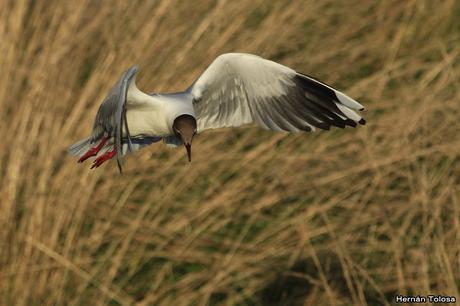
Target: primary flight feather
236, 89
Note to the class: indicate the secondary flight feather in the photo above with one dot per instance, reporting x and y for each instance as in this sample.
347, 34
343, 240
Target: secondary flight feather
236, 89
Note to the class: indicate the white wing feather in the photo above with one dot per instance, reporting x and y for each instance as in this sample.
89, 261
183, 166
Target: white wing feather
239, 88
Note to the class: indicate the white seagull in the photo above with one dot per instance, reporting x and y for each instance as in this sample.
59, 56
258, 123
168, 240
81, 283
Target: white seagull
236, 89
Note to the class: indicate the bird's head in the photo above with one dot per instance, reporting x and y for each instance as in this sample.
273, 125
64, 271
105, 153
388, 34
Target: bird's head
184, 127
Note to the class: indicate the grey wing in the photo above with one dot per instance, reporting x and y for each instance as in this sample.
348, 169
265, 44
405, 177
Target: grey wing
137, 143
172, 141
111, 116
239, 88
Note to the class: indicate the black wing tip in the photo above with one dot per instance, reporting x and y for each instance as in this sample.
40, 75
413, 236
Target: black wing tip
351, 123
362, 121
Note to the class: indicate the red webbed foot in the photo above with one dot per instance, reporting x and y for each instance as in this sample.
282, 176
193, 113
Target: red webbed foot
93, 151
101, 159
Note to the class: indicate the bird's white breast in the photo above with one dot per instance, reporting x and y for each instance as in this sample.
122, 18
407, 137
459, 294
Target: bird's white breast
148, 122
153, 115
145, 113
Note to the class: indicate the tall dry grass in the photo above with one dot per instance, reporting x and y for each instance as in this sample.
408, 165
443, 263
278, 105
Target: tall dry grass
348, 217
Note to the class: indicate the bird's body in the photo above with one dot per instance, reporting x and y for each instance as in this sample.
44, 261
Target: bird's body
156, 115
236, 89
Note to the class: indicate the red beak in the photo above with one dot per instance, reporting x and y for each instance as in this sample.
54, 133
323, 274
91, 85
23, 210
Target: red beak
188, 146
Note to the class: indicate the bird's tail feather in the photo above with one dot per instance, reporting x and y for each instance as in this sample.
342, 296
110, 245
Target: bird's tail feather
79, 148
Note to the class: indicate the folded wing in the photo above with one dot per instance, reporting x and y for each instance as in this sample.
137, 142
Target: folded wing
110, 122
238, 88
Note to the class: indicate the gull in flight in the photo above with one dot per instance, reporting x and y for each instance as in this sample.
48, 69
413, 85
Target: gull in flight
236, 89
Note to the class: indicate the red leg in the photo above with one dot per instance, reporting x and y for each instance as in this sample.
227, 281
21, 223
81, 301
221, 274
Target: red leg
93, 151
101, 159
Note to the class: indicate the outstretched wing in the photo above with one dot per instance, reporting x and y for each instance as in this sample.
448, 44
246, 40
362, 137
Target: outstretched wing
239, 88
111, 116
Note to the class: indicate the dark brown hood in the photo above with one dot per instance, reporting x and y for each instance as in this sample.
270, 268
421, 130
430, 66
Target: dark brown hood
184, 127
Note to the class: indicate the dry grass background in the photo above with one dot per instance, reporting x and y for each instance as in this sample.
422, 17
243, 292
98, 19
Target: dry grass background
345, 217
